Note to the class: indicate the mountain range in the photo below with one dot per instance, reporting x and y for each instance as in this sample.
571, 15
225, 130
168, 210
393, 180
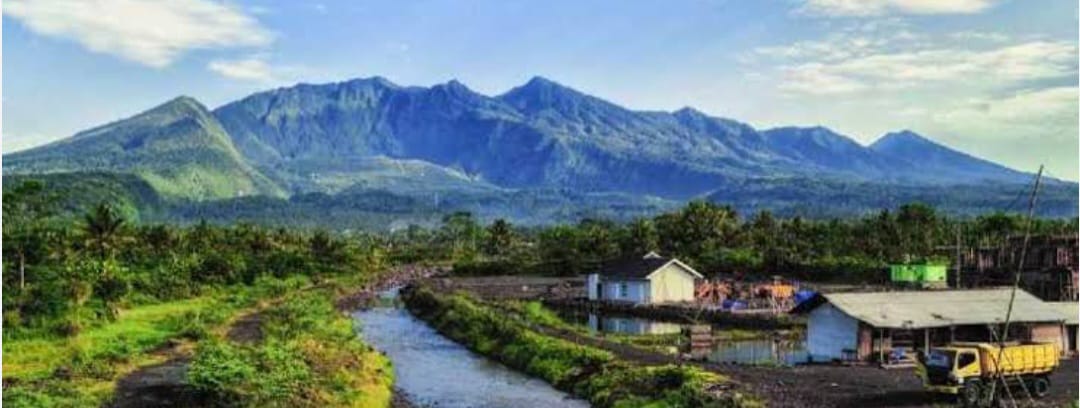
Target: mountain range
371, 134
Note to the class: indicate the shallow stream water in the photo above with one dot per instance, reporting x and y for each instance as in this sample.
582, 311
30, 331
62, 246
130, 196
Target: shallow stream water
433, 370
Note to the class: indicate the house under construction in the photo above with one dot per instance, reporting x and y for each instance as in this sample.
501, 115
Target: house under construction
1050, 269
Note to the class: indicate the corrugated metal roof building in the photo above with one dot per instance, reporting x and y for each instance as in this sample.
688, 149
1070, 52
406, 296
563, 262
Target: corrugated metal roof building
1071, 312
861, 326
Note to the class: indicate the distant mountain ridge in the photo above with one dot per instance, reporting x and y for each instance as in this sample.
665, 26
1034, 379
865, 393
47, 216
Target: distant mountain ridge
373, 134
178, 147
544, 134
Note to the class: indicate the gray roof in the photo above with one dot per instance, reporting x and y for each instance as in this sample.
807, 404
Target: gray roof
640, 268
1070, 310
633, 268
923, 309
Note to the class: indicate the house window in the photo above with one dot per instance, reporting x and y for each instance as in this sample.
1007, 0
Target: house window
624, 290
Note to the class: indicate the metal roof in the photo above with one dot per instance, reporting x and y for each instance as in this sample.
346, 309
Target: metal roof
1070, 310
923, 309
641, 267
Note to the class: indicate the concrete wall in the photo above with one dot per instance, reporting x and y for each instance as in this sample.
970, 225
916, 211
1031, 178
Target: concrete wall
829, 332
636, 291
1050, 333
591, 282
672, 283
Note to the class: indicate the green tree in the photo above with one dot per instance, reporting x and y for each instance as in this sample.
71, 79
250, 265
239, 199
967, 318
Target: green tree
560, 250
641, 237
500, 238
463, 234
917, 223
27, 209
102, 230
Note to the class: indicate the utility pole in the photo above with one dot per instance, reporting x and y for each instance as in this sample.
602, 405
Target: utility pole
1016, 280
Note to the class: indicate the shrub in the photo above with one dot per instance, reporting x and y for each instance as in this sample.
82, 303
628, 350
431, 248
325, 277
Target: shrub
309, 356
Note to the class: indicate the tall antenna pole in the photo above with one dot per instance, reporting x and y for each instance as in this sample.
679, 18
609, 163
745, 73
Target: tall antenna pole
1019, 269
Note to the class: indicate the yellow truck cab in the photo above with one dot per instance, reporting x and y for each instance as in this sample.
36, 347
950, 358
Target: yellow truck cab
972, 371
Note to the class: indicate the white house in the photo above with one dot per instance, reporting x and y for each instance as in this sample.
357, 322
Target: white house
646, 280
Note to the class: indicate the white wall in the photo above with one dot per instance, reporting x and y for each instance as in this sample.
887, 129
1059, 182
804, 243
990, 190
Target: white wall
829, 332
590, 286
637, 291
672, 283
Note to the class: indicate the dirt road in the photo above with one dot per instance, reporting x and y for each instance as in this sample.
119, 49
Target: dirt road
835, 386
826, 385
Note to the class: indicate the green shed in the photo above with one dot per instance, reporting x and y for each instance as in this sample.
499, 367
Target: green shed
918, 274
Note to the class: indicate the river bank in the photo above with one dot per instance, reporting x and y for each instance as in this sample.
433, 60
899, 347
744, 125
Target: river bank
588, 372
778, 385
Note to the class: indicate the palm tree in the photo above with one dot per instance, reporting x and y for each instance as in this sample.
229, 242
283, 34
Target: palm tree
102, 228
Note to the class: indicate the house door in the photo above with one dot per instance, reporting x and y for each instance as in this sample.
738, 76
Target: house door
599, 291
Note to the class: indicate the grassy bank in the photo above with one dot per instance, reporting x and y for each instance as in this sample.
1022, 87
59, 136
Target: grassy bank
590, 373
50, 370
306, 354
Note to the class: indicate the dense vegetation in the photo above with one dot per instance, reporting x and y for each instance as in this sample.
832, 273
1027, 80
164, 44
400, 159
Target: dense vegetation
307, 355
590, 373
87, 300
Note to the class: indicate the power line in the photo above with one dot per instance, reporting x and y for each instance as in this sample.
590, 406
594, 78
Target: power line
1019, 194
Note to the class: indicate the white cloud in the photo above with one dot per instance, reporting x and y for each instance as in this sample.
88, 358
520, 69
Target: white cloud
815, 79
1028, 128
861, 8
853, 69
154, 33
1035, 109
252, 68
980, 36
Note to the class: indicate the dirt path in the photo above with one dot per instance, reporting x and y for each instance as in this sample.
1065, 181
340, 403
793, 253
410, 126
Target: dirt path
158, 385
164, 384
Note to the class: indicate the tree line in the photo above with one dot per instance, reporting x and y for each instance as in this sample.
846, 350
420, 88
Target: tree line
61, 274
716, 239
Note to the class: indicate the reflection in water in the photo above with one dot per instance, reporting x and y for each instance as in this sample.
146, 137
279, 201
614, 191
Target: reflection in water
618, 324
777, 351
630, 325
433, 370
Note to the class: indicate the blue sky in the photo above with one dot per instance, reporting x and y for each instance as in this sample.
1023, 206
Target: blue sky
995, 78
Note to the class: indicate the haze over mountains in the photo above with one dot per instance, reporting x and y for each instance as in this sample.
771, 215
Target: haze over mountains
371, 134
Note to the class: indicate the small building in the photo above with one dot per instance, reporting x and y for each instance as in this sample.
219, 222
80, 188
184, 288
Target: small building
649, 279
868, 326
1070, 311
918, 275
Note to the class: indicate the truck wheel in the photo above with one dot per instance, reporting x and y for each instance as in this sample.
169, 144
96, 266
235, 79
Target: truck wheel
1040, 386
969, 395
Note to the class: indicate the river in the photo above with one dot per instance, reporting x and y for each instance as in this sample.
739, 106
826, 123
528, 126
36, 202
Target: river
433, 370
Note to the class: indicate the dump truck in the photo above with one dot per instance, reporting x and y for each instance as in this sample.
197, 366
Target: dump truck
973, 372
